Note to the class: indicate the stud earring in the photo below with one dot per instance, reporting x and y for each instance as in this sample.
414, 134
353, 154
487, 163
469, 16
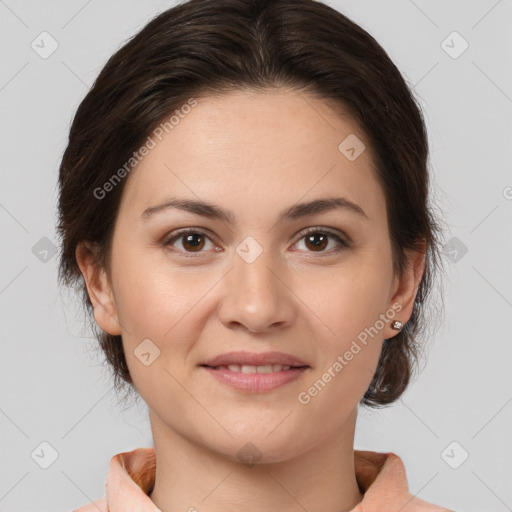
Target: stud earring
397, 325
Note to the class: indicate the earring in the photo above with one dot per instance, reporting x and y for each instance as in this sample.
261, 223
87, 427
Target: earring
397, 325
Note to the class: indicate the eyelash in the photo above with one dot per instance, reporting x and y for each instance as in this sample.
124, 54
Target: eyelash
344, 245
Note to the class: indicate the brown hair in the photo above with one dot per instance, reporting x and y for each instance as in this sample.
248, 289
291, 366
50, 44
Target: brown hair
203, 47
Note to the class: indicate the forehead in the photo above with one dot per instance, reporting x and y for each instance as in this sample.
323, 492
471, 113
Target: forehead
257, 150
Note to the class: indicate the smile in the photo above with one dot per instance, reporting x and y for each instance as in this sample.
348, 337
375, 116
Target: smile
247, 368
255, 379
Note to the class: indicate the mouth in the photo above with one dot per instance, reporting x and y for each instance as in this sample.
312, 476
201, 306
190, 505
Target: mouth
255, 378
255, 372
254, 362
249, 369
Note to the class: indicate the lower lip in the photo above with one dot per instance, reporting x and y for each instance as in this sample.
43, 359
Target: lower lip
256, 382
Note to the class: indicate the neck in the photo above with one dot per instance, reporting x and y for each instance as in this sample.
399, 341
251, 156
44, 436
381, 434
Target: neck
191, 477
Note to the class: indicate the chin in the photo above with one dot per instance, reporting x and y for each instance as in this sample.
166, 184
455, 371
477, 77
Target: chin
259, 448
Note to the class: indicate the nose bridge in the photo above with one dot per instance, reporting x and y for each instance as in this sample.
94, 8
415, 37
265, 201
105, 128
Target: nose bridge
256, 296
258, 276
254, 270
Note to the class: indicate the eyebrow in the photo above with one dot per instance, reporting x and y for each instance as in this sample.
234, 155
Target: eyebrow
295, 212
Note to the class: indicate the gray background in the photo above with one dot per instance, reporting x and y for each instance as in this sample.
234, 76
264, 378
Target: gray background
53, 388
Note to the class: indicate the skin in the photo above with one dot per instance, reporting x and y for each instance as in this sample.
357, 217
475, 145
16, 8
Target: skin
254, 153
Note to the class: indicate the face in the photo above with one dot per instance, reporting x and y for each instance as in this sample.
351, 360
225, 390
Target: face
308, 284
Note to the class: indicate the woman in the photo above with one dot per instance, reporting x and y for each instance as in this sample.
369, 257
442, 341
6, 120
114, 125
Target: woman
244, 206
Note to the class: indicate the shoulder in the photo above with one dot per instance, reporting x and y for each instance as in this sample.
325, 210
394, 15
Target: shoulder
383, 479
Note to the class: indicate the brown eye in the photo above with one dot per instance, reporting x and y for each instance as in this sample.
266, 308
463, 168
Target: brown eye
192, 241
317, 241
195, 241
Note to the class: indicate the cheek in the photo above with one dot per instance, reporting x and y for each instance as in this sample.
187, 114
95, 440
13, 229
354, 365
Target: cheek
163, 304
350, 346
150, 296
349, 304
349, 298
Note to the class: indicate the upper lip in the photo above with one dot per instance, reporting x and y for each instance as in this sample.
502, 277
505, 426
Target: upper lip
254, 359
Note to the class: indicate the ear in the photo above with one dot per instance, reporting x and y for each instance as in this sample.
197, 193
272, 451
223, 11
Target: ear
406, 288
99, 289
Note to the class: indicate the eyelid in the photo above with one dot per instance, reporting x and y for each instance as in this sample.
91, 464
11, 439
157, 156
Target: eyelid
344, 243
166, 242
342, 239
322, 229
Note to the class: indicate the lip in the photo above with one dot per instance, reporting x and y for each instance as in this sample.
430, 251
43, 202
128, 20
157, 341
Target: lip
254, 359
255, 382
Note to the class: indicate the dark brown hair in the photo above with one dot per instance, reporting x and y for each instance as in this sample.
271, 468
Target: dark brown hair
203, 47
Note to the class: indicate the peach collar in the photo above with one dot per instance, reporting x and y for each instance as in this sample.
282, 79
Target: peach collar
381, 478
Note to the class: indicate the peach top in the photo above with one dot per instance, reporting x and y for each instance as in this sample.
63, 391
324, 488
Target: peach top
381, 478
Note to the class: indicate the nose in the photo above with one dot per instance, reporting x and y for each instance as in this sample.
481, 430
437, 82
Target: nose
256, 296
